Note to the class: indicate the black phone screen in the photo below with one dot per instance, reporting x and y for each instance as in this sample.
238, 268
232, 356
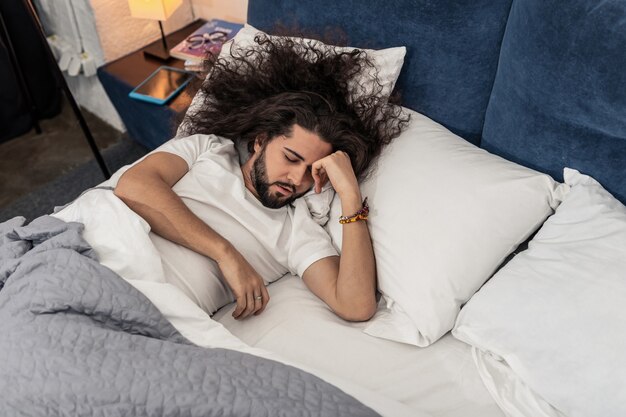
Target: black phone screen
163, 83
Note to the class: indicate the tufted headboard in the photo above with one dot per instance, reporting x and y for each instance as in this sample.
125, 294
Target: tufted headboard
536, 82
447, 74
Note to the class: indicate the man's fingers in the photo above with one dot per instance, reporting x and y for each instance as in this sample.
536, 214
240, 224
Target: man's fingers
319, 177
241, 306
249, 305
258, 303
265, 300
315, 173
254, 301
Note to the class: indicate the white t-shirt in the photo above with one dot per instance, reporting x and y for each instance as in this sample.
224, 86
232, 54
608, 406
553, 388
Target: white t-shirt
273, 241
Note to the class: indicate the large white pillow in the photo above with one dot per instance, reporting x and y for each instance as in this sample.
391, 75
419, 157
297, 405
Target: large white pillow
555, 313
388, 64
444, 214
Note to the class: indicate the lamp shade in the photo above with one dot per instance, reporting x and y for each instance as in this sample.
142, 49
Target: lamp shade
153, 9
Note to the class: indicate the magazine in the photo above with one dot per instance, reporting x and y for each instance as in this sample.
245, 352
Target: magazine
207, 39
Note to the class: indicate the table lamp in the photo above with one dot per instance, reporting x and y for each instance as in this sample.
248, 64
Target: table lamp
157, 10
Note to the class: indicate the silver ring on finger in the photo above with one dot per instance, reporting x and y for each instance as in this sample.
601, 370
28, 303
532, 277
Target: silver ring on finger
258, 297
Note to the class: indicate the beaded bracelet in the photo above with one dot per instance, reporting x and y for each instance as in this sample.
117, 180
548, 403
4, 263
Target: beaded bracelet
359, 215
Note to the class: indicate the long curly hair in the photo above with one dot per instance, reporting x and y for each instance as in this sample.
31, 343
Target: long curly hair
260, 92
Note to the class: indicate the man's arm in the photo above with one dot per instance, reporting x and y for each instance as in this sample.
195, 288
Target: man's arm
147, 189
347, 283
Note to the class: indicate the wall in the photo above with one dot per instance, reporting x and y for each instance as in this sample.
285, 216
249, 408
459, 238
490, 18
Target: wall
232, 10
107, 32
120, 33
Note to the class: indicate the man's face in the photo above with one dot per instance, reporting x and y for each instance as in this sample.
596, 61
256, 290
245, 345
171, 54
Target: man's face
281, 170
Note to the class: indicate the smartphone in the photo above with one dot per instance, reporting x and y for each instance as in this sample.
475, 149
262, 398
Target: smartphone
162, 85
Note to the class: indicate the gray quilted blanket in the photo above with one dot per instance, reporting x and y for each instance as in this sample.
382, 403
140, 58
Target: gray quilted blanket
78, 340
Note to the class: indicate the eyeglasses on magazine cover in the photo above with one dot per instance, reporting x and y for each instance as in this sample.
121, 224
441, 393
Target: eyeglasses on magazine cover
211, 42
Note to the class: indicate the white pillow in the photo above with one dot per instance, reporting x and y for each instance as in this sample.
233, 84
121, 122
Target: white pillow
388, 63
444, 214
555, 313
118, 235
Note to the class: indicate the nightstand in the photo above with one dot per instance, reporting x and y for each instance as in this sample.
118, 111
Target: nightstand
147, 123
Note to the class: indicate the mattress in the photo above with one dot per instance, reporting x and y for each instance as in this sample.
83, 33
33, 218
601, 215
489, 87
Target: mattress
298, 329
439, 380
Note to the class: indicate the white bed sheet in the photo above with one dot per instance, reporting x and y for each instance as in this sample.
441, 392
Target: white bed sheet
441, 380
196, 325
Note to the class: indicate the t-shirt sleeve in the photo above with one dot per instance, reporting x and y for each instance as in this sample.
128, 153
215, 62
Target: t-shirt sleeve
308, 242
191, 147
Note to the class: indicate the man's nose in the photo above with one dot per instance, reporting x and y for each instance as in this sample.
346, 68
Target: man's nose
296, 175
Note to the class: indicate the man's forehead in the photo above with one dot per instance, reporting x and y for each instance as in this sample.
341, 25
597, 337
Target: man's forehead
305, 145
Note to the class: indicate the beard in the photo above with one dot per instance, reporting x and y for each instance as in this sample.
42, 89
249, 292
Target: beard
261, 184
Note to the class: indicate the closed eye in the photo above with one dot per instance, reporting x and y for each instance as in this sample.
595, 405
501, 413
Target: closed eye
295, 161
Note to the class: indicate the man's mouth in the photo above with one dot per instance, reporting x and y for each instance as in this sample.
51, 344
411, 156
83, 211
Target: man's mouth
284, 190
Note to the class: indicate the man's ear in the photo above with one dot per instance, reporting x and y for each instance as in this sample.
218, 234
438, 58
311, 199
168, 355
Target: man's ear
258, 142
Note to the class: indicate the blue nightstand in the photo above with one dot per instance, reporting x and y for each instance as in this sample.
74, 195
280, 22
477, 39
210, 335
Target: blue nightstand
149, 124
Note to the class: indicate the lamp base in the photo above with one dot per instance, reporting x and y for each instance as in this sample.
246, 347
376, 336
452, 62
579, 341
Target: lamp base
157, 51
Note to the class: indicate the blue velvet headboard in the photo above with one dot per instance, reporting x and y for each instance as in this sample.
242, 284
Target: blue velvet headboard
452, 47
559, 97
536, 81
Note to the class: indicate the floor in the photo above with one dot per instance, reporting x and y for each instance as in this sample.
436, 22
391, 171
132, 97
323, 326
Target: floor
30, 161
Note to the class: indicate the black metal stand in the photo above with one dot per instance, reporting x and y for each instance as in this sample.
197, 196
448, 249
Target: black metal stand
158, 49
68, 94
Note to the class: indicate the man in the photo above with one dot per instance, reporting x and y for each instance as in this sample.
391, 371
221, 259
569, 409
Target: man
280, 169
292, 104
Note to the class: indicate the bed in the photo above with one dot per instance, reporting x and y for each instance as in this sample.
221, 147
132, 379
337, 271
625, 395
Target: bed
498, 224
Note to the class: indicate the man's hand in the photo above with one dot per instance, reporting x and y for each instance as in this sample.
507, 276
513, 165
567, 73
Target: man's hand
337, 168
245, 283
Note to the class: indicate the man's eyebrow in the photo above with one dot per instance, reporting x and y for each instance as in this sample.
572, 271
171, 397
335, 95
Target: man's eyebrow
296, 154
